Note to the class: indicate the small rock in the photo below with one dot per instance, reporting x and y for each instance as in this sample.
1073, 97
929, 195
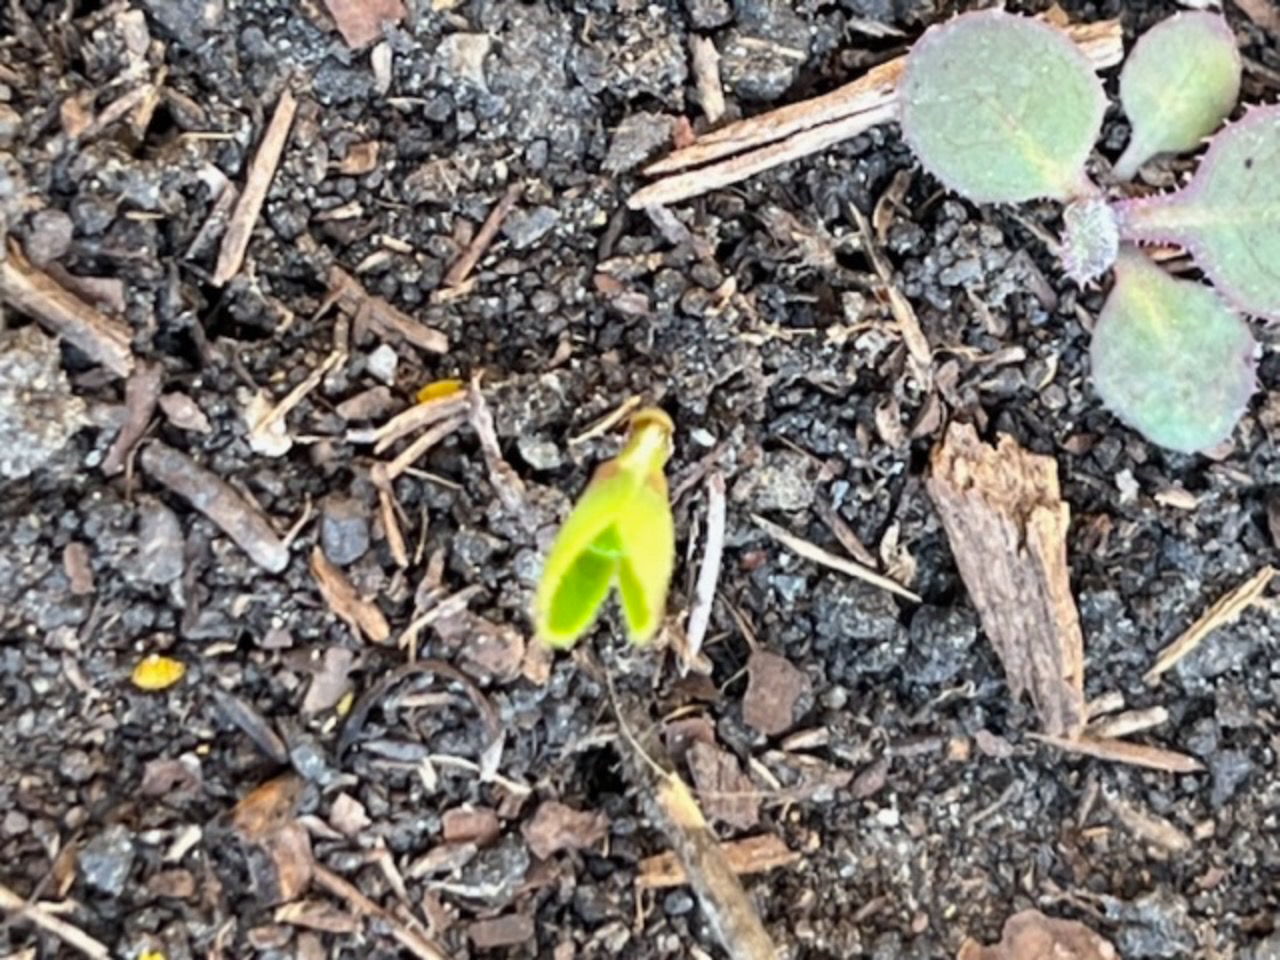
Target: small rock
106, 860
1230, 769
637, 139
38, 412
761, 59
708, 14
524, 228
50, 235
677, 903
344, 530
161, 545
348, 816
942, 639
382, 363
183, 413
15, 824
463, 56
539, 453
785, 481
331, 682
1153, 927
10, 125
775, 688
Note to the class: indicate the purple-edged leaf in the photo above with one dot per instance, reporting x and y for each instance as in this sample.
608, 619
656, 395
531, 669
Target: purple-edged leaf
1228, 216
1001, 108
1171, 358
1179, 83
1090, 238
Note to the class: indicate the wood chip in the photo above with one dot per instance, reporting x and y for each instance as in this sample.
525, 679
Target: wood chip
141, 394
78, 566
361, 615
218, 501
750, 855
1030, 935
504, 931
726, 793
266, 819
382, 317
741, 150
775, 687
348, 816
235, 242
1148, 827
705, 60
478, 825
813, 552
35, 294
1264, 13
361, 21
1125, 751
1222, 613
1007, 526
556, 827
361, 158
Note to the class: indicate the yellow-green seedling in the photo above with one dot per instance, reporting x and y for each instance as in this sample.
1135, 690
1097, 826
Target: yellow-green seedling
1001, 108
620, 536
1171, 358
1180, 81
1228, 216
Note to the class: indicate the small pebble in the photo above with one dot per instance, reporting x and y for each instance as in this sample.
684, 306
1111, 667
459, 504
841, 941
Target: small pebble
106, 860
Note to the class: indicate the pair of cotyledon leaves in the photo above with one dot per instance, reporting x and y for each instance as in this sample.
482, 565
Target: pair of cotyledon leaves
1004, 109
620, 536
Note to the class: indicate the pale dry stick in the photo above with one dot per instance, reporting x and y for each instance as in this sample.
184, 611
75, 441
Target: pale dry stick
410, 421
235, 242
1128, 723
747, 856
706, 71
484, 237
811, 551
34, 293
386, 320
1124, 751
420, 446
412, 940
607, 422
767, 141
908, 323
72, 936
704, 590
1223, 612
297, 394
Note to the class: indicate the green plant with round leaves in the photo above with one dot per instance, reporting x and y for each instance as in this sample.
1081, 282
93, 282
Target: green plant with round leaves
1180, 81
1171, 358
1002, 108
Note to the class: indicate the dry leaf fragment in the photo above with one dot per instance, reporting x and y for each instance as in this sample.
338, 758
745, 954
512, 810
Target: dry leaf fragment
556, 827
360, 21
726, 793
361, 158
359, 614
1007, 523
1030, 935
774, 688
280, 863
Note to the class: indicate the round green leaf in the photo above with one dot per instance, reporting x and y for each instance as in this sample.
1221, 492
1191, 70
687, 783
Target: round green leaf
1170, 358
1180, 82
1228, 216
1001, 108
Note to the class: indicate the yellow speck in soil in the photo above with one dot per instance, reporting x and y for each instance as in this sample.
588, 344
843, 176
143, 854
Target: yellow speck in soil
439, 388
155, 672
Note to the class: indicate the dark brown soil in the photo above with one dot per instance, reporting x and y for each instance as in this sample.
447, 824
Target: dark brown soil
939, 816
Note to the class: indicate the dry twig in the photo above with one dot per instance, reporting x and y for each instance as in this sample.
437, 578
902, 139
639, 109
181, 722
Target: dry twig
235, 242
461, 270
811, 551
385, 319
704, 591
34, 293
141, 394
72, 936
1225, 611
752, 146
1124, 751
362, 616
745, 857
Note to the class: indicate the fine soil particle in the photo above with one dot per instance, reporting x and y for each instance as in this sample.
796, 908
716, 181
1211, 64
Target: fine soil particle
477, 799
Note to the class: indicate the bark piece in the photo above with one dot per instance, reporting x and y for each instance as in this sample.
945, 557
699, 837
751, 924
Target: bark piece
361, 615
218, 501
1030, 935
727, 794
506, 931
1007, 526
141, 394
556, 827
774, 687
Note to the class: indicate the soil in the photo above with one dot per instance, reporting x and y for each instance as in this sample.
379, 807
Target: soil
925, 813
